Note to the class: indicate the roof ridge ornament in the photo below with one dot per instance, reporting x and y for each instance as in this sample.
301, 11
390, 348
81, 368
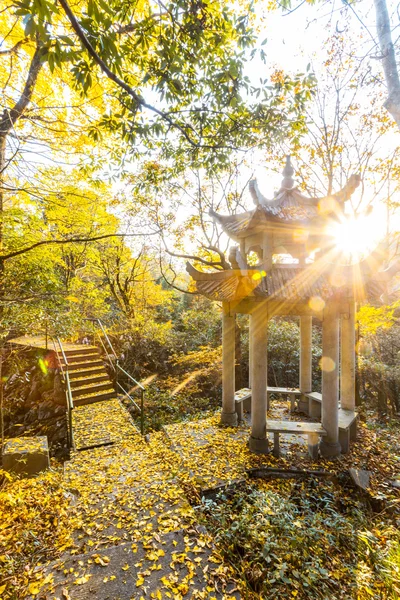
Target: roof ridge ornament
288, 172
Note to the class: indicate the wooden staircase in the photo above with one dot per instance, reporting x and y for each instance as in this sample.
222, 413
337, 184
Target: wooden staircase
88, 377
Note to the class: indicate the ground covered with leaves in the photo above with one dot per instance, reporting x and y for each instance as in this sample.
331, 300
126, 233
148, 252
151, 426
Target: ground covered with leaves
305, 539
273, 539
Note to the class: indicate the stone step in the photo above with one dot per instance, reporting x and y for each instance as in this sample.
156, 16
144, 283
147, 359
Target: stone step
92, 398
81, 365
91, 388
77, 358
93, 379
172, 565
86, 371
83, 349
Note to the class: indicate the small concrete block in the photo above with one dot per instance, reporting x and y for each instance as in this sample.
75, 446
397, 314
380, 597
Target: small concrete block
26, 456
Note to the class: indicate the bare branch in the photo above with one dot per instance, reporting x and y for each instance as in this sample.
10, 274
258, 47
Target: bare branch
77, 240
14, 49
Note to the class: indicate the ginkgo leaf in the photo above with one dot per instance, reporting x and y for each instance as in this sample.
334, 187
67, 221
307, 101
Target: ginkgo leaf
83, 579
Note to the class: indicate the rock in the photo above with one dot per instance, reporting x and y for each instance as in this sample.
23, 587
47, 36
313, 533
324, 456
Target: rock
34, 393
46, 410
360, 478
58, 391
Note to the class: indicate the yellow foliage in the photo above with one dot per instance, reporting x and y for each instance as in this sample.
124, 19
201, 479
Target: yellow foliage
372, 318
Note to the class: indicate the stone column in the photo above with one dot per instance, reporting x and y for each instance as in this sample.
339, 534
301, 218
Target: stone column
348, 360
329, 445
250, 351
259, 333
228, 415
305, 360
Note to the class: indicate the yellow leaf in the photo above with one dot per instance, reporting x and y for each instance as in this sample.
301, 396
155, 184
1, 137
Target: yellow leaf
72, 298
34, 588
83, 579
125, 568
2, 588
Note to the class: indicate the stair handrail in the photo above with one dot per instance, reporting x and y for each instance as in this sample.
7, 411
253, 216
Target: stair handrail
114, 354
117, 368
68, 391
128, 394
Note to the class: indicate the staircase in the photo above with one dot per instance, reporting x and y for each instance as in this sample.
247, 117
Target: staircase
97, 418
88, 377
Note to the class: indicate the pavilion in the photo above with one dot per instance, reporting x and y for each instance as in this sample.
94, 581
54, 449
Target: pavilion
314, 284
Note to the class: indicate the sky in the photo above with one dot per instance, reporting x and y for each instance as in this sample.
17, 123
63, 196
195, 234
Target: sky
293, 41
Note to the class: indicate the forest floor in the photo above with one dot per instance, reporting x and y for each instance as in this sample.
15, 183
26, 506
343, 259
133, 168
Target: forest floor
133, 520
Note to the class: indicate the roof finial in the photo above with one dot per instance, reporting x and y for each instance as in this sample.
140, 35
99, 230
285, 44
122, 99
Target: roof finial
288, 171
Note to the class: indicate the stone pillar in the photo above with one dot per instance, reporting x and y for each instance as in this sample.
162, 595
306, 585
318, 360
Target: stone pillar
259, 333
228, 415
330, 445
250, 351
348, 360
305, 361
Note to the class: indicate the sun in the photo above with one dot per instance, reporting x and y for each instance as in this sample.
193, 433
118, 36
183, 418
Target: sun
355, 237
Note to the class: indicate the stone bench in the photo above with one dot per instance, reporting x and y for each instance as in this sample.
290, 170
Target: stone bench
347, 420
314, 404
282, 391
242, 402
313, 430
243, 398
347, 428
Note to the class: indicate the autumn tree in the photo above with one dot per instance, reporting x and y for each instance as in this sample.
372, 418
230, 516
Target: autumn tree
378, 44
74, 85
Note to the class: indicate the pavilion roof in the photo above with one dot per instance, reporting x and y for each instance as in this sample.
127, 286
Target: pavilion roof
283, 282
288, 207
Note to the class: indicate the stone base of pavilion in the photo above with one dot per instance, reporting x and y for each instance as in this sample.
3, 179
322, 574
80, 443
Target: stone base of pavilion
222, 454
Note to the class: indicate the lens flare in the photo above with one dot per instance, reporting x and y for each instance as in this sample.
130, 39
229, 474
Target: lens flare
327, 364
316, 303
356, 237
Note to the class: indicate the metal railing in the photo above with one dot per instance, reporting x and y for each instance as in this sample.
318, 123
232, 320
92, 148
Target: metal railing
68, 391
120, 373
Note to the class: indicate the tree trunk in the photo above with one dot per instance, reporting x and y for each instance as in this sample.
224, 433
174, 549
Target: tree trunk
392, 104
7, 122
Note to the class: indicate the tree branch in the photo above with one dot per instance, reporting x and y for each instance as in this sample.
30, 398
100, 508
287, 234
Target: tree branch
128, 89
195, 258
224, 263
79, 240
15, 48
10, 116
